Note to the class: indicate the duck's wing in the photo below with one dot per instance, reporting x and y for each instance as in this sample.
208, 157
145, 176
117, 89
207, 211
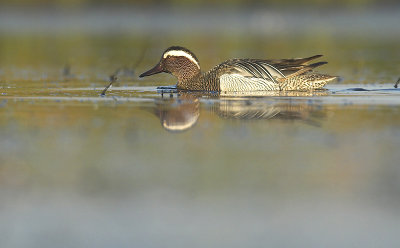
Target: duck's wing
258, 74
250, 68
289, 66
268, 69
290, 62
246, 75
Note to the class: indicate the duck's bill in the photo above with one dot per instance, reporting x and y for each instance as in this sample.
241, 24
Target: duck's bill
156, 69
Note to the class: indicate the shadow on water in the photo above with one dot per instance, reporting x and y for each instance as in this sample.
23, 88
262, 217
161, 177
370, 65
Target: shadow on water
371, 90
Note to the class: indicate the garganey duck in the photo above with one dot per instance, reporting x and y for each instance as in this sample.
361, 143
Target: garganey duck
240, 74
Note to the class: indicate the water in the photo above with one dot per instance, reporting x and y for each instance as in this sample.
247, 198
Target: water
142, 168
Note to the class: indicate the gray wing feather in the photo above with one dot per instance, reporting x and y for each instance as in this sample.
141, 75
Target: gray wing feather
255, 68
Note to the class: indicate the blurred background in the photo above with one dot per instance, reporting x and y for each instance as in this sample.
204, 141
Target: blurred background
93, 38
79, 170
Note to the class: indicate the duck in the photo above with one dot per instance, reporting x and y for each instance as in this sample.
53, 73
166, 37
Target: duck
240, 75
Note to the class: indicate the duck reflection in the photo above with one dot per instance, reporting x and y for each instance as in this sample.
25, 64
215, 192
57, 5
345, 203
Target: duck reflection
180, 111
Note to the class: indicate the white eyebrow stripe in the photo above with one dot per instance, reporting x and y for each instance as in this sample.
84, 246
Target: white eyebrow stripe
178, 53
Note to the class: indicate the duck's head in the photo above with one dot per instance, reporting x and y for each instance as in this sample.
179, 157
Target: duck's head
177, 61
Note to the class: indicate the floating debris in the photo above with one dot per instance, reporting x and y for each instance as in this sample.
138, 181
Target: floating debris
397, 83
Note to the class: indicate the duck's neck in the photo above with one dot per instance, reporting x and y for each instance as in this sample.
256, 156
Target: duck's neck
187, 76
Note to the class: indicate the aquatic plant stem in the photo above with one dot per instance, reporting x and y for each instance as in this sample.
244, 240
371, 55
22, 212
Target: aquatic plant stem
113, 78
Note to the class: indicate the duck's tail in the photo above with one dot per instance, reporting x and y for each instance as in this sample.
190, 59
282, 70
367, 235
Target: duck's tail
304, 82
305, 69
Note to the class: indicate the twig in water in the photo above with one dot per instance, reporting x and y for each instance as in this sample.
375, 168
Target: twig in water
140, 57
397, 83
113, 78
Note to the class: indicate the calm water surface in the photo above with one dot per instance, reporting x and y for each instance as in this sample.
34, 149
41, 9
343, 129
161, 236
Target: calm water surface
145, 168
